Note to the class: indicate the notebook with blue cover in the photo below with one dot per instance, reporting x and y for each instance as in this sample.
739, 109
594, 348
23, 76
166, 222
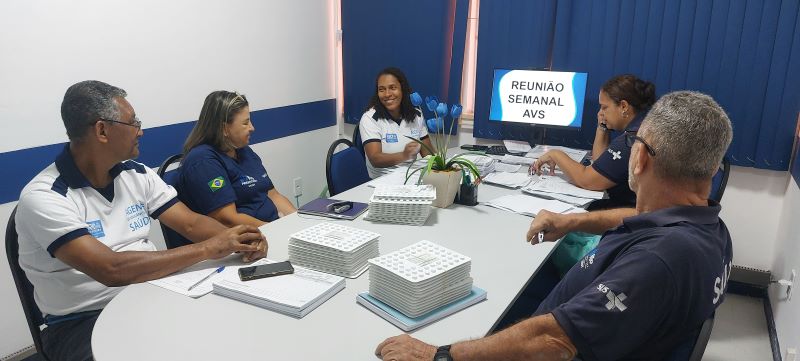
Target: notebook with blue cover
409, 324
319, 207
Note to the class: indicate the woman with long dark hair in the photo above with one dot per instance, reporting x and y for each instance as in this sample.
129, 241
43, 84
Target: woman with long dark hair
389, 119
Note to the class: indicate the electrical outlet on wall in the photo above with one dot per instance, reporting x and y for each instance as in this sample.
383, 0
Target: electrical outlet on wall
791, 354
298, 187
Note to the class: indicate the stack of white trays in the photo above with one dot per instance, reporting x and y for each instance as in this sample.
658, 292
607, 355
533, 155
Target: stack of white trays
420, 278
401, 204
334, 248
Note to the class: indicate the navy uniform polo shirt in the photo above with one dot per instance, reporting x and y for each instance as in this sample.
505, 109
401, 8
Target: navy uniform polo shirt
648, 285
613, 164
210, 179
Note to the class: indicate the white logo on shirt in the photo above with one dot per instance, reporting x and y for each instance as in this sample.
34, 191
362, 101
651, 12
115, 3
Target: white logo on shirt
614, 300
248, 181
615, 155
721, 282
587, 261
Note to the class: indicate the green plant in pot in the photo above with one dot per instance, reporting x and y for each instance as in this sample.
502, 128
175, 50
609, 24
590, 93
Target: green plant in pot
440, 171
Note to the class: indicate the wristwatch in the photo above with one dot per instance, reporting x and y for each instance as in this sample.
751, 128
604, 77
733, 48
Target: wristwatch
443, 354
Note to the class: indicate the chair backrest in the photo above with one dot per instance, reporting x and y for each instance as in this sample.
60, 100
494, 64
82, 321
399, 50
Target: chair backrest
720, 180
344, 169
171, 238
693, 348
24, 286
357, 141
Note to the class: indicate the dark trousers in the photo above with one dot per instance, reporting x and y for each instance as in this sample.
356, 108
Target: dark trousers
69, 340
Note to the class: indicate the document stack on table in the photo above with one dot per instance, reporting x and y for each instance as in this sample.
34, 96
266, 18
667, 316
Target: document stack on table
557, 188
484, 163
419, 284
507, 179
575, 154
405, 204
334, 248
294, 294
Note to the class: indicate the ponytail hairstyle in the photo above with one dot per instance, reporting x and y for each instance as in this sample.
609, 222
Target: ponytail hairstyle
640, 94
218, 110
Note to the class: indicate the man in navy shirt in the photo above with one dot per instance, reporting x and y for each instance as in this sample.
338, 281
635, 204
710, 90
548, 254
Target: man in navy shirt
652, 281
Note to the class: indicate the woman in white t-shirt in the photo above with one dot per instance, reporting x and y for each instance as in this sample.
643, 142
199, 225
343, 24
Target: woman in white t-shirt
391, 118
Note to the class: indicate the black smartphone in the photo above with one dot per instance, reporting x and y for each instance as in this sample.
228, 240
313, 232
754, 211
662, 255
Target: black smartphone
265, 270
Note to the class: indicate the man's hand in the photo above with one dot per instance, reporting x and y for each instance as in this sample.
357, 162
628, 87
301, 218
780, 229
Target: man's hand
262, 246
553, 225
411, 150
242, 238
404, 347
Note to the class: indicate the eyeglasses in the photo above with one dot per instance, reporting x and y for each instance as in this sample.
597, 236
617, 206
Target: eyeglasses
631, 137
136, 122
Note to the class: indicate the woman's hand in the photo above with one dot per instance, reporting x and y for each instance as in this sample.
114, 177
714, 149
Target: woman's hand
546, 159
411, 150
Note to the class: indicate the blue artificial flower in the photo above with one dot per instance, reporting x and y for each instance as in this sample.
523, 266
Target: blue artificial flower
416, 99
433, 127
441, 109
431, 102
455, 111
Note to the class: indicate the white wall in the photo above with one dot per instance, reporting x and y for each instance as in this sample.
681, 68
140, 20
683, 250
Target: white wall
787, 258
168, 55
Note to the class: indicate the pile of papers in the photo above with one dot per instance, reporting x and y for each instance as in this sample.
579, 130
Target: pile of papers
334, 248
420, 278
575, 154
484, 163
506, 179
294, 294
514, 159
527, 205
556, 188
405, 204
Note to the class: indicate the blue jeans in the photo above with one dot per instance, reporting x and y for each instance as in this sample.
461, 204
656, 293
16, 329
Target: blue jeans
69, 340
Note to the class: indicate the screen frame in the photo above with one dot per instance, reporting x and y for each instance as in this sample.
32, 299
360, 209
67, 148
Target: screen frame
537, 125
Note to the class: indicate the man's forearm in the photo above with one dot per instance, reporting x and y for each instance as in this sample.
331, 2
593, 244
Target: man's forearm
539, 338
202, 228
129, 267
597, 222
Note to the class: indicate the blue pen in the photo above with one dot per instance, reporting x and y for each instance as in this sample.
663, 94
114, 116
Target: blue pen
218, 270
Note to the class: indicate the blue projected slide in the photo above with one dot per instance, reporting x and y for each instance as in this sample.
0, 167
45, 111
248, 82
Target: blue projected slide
548, 98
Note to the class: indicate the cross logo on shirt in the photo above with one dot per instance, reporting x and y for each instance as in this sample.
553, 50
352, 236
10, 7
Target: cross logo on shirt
615, 301
615, 155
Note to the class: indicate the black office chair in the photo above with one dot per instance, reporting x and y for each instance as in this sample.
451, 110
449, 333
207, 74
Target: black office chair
24, 287
344, 169
693, 348
357, 143
720, 180
171, 238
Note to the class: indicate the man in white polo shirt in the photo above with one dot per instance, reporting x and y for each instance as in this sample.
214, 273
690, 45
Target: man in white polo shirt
83, 222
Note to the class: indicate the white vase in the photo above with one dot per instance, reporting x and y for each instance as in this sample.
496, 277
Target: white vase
446, 184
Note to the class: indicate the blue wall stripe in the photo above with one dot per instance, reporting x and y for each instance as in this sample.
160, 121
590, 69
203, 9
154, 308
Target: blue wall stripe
160, 142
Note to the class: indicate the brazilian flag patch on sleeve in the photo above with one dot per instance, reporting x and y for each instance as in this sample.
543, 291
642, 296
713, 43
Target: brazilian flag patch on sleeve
216, 183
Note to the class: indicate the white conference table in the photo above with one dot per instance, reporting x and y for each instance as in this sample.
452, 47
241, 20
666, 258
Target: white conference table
146, 322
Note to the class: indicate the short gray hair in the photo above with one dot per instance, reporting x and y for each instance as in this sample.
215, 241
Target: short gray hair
690, 134
85, 102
